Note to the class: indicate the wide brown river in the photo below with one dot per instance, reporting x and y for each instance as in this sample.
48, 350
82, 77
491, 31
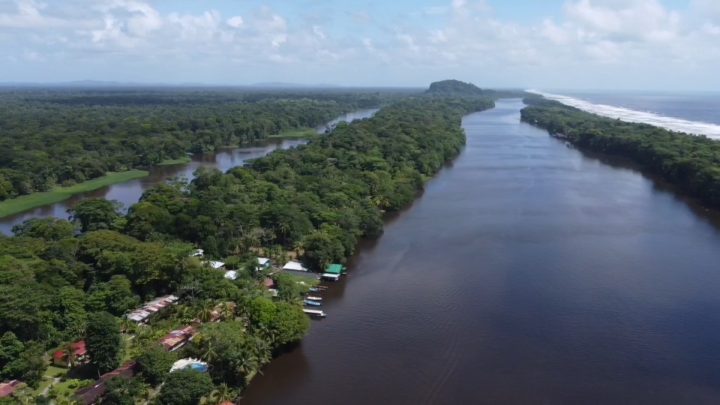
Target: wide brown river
527, 273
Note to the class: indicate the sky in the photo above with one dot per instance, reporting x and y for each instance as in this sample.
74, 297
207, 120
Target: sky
548, 44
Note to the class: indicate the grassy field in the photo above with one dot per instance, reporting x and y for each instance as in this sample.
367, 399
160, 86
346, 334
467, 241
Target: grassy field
304, 133
34, 200
180, 161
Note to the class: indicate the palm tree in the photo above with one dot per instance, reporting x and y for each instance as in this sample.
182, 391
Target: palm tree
69, 354
208, 351
298, 247
206, 311
220, 394
127, 326
227, 310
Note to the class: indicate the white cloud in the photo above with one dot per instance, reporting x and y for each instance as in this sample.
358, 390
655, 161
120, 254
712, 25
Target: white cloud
28, 15
450, 37
236, 21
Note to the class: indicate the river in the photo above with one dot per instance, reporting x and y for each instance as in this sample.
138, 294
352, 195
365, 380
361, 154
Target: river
527, 273
129, 193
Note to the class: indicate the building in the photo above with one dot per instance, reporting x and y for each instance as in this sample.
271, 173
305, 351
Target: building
263, 263
231, 275
178, 338
77, 354
142, 314
335, 268
93, 393
8, 388
215, 265
295, 266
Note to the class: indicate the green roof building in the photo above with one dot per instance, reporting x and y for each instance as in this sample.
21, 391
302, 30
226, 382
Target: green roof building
335, 269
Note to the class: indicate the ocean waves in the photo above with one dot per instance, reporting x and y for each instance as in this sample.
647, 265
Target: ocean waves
628, 115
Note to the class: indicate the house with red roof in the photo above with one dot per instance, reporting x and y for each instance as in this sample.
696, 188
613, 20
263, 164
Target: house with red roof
93, 393
74, 355
178, 338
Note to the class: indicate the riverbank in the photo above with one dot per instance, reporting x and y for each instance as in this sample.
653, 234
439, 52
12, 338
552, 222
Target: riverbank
302, 133
179, 161
688, 162
35, 200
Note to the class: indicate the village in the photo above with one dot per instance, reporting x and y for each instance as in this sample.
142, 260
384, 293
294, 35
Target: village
74, 355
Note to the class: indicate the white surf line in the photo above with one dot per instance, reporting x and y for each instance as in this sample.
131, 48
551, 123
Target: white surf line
628, 115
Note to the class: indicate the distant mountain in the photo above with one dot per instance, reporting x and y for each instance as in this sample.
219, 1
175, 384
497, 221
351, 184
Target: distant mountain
455, 88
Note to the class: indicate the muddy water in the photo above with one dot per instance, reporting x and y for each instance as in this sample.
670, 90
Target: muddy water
527, 273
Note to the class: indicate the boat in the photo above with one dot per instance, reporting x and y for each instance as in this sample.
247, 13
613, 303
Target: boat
312, 303
318, 288
330, 276
315, 312
314, 298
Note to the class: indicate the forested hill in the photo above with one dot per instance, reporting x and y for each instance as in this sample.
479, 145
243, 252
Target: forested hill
691, 163
449, 88
61, 282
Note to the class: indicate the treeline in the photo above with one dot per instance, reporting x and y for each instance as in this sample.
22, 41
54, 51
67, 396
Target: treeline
320, 198
691, 163
53, 138
62, 281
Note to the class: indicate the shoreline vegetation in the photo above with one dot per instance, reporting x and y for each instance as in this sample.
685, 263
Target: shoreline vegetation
300, 133
58, 194
86, 134
63, 282
34, 200
179, 161
688, 162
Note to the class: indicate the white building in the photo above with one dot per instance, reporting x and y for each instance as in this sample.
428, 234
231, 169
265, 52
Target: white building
294, 266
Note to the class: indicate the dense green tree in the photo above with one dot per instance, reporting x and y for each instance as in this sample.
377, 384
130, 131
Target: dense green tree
232, 353
10, 348
95, 214
123, 391
66, 137
70, 308
28, 366
280, 322
185, 387
154, 363
103, 341
114, 296
289, 289
45, 228
321, 249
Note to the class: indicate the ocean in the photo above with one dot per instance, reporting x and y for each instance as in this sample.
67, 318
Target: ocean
696, 113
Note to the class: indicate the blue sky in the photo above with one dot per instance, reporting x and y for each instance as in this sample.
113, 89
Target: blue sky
548, 44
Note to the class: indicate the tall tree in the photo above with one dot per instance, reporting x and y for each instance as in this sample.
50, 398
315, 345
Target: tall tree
95, 214
155, 363
103, 341
185, 387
